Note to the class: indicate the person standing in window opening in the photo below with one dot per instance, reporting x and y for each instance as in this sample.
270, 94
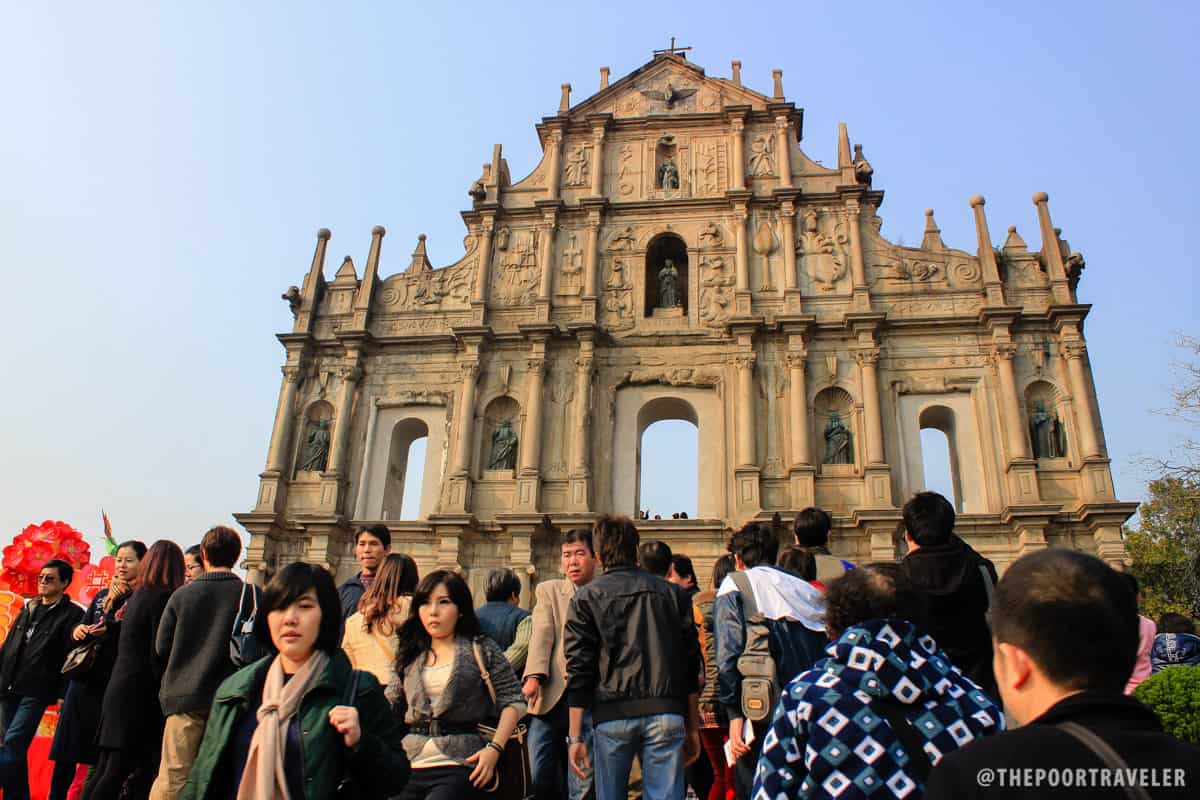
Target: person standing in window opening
193, 564
30, 670
79, 715
131, 719
370, 639
444, 697
372, 543
283, 726
714, 722
503, 619
192, 646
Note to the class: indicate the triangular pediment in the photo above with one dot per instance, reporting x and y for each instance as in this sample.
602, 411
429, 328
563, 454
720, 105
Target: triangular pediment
667, 85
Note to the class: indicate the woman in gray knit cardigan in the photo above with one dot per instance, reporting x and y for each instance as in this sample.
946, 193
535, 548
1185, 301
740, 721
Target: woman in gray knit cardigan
444, 697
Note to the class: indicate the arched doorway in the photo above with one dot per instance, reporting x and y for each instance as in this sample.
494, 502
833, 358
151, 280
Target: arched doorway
668, 465
406, 470
666, 284
939, 454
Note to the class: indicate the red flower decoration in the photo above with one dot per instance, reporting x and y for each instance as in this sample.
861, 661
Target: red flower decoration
37, 544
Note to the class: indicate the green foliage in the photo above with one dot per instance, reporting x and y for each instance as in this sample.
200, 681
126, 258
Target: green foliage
1002, 263
1174, 694
1166, 548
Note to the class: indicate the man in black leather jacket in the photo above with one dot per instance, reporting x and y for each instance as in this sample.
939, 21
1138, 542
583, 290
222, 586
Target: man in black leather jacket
633, 660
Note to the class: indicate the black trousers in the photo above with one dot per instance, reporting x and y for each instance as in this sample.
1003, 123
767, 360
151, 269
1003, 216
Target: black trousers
743, 770
440, 783
132, 770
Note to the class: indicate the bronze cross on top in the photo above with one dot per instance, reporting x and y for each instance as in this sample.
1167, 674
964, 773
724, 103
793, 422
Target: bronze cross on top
672, 50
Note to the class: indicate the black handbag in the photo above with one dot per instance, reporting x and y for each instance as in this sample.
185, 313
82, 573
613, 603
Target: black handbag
513, 780
81, 659
244, 646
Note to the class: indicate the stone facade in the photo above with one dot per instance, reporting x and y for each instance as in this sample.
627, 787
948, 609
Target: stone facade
787, 309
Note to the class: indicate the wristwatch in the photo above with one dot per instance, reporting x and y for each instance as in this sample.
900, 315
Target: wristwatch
575, 740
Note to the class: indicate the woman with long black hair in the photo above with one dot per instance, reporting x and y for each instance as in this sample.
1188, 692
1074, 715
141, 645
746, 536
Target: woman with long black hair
131, 720
445, 698
79, 716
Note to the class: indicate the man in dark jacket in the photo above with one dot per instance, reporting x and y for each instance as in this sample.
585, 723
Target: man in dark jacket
633, 660
502, 619
192, 645
31, 671
958, 582
1065, 630
792, 611
372, 543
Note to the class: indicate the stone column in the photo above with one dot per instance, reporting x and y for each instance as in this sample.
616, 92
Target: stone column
583, 391
590, 276
461, 466
364, 473
598, 161
531, 447
487, 226
741, 257
738, 127
281, 432
993, 288
1059, 286
798, 410
868, 361
858, 271
782, 129
746, 456
341, 431
1089, 442
546, 255
555, 177
1002, 354
787, 224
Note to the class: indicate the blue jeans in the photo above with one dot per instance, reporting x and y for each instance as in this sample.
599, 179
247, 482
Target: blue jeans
548, 755
658, 738
21, 716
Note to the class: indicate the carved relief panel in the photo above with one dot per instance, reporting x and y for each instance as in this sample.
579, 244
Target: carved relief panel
515, 277
822, 253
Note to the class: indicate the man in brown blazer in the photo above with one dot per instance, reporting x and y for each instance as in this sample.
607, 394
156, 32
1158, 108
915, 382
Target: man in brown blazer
546, 673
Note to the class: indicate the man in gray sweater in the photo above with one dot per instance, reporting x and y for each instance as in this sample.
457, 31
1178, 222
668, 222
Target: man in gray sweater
193, 651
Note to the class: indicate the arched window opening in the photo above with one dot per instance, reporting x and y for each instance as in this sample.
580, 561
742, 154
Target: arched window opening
666, 277
668, 459
406, 470
939, 454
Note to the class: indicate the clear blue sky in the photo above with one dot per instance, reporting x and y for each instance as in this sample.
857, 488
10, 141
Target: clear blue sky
165, 171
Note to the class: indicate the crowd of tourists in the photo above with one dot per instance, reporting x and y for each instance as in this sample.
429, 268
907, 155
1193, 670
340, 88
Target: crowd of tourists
792, 674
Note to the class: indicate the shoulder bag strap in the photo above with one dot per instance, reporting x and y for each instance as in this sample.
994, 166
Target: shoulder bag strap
1110, 757
913, 743
237, 618
744, 587
483, 672
987, 583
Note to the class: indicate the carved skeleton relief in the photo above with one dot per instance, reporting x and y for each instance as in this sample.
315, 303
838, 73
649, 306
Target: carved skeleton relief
824, 258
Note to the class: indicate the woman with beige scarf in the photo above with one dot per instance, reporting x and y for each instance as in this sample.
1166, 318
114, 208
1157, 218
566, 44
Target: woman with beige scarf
300, 724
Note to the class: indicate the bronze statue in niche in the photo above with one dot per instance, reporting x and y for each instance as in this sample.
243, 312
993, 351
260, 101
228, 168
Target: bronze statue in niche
668, 285
667, 275
1046, 432
504, 447
316, 447
839, 442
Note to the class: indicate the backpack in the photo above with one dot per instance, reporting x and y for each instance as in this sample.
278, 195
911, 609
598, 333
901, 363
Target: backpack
760, 681
244, 646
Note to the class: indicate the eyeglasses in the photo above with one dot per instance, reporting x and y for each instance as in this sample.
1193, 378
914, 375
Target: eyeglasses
47, 579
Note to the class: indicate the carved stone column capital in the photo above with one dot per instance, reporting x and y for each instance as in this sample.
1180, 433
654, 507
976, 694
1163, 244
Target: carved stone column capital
737, 125
351, 373
781, 123
1074, 350
745, 360
537, 366
556, 137
1004, 350
788, 209
741, 213
487, 224
469, 370
291, 373
852, 205
868, 356
584, 364
796, 360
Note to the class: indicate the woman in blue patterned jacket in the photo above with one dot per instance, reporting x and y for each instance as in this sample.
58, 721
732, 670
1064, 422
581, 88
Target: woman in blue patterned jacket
872, 718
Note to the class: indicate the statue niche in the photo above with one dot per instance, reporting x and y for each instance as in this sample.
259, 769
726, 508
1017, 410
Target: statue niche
666, 277
666, 165
833, 419
314, 448
500, 441
1046, 431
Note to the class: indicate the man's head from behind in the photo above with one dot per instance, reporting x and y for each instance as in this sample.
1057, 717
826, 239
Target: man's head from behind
655, 557
503, 586
928, 519
1063, 622
753, 544
873, 591
220, 548
682, 573
812, 527
616, 539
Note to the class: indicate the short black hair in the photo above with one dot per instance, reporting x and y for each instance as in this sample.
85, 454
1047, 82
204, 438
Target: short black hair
721, 569
616, 539
929, 519
65, 570
1175, 623
579, 536
881, 590
193, 551
799, 560
380, 532
811, 527
221, 546
501, 584
683, 567
655, 557
756, 543
138, 548
1073, 614
286, 587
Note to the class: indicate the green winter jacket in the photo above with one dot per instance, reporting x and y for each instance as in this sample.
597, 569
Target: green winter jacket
377, 765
